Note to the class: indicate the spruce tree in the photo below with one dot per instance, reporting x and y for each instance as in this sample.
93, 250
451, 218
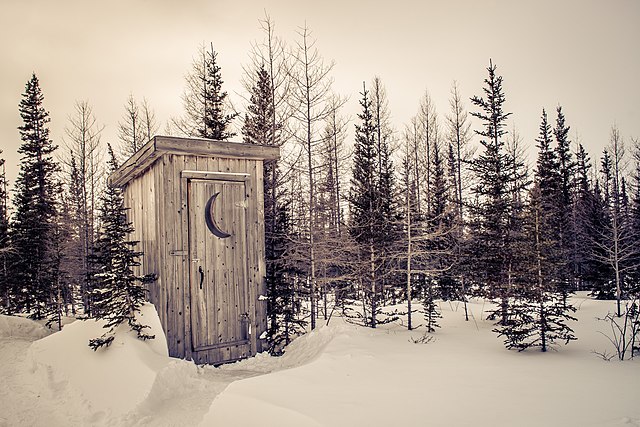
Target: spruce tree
430, 307
581, 220
204, 100
566, 164
597, 220
59, 244
539, 309
452, 287
76, 262
565, 203
364, 206
550, 199
257, 127
439, 221
119, 293
387, 208
32, 268
283, 321
490, 213
216, 122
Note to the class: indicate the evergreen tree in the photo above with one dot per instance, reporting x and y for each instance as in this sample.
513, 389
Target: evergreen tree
581, 220
216, 123
389, 233
119, 293
440, 283
547, 166
538, 313
605, 172
365, 206
491, 212
72, 275
76, 262
258, 128
597, 220
61, 236
430, 307
204, 100
32, 268
452, 286
566, 223
550, 220
566, 164
539, 310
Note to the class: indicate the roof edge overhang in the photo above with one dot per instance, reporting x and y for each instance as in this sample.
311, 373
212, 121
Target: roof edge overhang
160, 145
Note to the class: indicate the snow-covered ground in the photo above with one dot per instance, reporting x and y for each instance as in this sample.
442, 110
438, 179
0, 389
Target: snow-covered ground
337, 375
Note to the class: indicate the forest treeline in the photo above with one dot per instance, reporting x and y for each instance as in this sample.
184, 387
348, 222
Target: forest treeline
364, 226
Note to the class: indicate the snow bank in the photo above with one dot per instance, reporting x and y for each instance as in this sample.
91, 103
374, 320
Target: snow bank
19, 327
106, 383
301, 351
336, 375
463, 377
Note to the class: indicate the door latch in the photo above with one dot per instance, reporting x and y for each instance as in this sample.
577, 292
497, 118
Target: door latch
201, 271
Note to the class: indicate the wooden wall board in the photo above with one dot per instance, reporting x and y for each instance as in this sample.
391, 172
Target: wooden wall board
157, 191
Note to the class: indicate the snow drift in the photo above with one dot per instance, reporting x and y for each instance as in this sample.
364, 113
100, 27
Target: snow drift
110, 381
336, 375
21, 328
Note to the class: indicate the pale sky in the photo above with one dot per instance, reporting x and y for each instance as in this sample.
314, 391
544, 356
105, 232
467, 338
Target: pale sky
583, 55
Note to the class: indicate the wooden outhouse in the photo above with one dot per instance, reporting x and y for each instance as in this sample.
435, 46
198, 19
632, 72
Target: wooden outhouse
197, 209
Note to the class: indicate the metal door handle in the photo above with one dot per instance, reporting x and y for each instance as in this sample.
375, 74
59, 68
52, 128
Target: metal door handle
201, 271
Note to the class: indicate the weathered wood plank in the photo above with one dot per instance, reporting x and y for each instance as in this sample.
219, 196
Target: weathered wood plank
260, 286
159, 145
165, 209
208, 147
136, 164
164, 224
188, 162
173, 245
212, 175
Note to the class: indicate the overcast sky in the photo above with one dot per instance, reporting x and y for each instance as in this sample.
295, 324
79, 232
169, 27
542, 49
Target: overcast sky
583, 55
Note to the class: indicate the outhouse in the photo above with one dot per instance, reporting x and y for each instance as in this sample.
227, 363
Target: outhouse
197, 209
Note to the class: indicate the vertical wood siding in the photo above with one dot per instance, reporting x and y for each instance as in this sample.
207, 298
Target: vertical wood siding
158, 203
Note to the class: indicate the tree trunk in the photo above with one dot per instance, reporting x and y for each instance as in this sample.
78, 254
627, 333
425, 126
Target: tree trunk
372, 273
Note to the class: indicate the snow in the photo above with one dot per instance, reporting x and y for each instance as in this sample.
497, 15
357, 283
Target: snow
336, 375
117, 378
463, 377
21, 328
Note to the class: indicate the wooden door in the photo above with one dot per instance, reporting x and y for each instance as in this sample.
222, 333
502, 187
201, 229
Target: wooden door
218, 269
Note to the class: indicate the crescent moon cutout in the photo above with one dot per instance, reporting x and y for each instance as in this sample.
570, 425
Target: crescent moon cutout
210, 219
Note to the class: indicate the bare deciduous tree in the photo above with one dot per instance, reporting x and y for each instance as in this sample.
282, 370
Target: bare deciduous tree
130, 130
310, 102
84, 148
137, 126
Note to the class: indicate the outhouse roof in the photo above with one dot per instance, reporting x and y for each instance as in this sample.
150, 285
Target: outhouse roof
160, 145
